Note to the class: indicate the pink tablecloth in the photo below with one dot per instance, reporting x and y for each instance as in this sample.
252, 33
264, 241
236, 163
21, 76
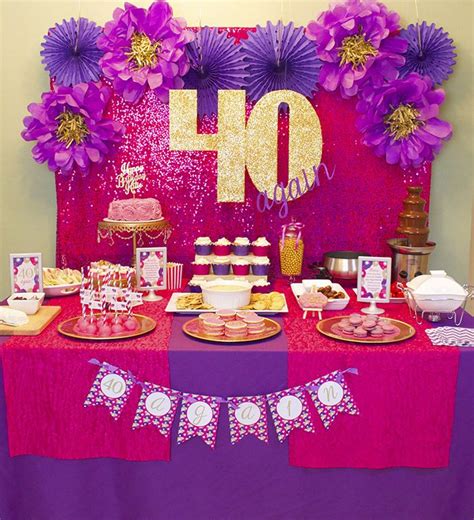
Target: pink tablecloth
47, 378
405, 393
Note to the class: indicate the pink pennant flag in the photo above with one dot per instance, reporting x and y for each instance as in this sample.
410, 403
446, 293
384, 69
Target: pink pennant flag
248, 416
111, 388
199, 417
157, 407
331, 396
290, 411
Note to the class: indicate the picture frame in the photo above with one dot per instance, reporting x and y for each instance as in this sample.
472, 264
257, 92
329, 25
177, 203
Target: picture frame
26, 272
151, 268
373, 279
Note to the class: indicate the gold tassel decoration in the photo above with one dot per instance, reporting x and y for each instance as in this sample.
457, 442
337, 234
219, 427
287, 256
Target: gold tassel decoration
72, 128
143, 52
402, 121
356, 50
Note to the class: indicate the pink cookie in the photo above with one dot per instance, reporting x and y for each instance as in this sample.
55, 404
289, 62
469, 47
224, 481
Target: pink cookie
388, 329
359, 332
355, 320
376, 332
369, 324
348, 330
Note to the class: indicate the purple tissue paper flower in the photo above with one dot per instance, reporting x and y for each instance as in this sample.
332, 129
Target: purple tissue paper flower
70, 52
357, 43
145, 48
70, 128
216, 63
430, 52
280, 57
400, 120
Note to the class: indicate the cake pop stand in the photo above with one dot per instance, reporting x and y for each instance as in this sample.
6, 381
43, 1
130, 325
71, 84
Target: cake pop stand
135, 231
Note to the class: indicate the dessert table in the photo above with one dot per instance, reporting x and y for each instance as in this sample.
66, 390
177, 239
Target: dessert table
248, 480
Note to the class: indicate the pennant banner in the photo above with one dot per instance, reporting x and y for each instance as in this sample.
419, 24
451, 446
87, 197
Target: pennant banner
290, 411
331, 396
199, 416
157, 407
111, 388
247, 416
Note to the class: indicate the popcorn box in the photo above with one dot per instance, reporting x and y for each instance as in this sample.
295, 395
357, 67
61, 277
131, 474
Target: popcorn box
174, 275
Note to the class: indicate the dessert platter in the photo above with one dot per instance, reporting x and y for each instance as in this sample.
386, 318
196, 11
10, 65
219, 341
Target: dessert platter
357, 328
230, 326
112, 326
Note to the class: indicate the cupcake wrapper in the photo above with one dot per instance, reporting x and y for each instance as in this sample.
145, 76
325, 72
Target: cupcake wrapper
241, 250
222, 250
260, 270
260, 250
201, 269
221, 269
203, 249
262, 290
241, 270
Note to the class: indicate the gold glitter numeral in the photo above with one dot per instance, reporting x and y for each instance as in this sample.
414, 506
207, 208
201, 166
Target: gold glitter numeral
254, 145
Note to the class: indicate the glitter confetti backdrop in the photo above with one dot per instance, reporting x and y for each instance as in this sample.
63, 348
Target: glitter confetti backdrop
357, 209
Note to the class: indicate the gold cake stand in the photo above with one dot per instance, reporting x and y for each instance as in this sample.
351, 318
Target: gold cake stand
135, 231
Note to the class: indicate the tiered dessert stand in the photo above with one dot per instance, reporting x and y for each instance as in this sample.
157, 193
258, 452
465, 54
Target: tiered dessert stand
151, 229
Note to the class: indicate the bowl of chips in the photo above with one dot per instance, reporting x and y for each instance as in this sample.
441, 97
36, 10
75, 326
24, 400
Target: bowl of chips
61, 282
273, 301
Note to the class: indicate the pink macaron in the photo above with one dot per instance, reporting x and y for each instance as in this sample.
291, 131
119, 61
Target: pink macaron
359, 332
226, 314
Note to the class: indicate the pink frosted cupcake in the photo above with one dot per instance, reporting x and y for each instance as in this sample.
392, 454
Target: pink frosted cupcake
222, 247
261, 247
201, 266
241, 267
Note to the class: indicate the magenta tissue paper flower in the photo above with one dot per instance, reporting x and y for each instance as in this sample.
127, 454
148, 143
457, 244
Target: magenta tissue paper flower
145, 48
400, 120
70, 128
357, 42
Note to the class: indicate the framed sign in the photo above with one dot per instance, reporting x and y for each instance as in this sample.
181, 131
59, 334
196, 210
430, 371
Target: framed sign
26, 272
373, 281
151, 268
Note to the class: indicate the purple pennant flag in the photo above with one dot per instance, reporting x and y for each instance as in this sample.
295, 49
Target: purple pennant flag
290, 411
331, 396
248, 416
199, 417
157, 407
111, 388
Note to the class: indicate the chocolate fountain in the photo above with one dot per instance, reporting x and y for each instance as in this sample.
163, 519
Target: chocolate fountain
410, 254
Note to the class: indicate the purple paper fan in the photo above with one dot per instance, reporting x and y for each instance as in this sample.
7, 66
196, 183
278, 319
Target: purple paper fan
280, 57
430, 52
216, 63
70, 53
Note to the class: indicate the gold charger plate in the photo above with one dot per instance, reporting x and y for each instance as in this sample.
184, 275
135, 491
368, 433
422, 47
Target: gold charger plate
66, 328
191, 328
406, 332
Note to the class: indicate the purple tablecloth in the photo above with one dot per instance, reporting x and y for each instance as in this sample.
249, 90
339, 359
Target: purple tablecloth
248, 481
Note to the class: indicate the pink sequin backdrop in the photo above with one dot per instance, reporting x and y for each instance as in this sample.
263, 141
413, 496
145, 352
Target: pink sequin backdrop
357, 209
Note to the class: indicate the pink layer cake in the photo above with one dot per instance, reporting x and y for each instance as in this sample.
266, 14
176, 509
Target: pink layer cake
134, 209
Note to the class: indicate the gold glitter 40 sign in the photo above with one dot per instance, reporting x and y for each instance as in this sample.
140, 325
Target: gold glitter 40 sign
253, 145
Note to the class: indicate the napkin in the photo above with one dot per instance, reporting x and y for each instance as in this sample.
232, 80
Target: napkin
451, 336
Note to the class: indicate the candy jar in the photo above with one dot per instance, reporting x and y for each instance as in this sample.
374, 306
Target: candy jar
291, 249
